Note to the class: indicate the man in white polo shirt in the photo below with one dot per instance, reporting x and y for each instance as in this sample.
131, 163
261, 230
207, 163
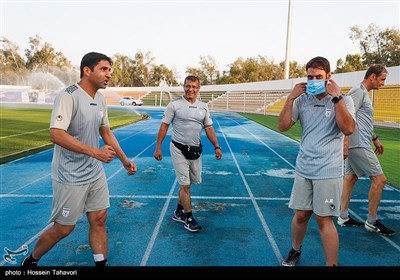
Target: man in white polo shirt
188, 117
79, 118
325, 117
362, 160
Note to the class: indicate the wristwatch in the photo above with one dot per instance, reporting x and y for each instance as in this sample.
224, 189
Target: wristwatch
336, 99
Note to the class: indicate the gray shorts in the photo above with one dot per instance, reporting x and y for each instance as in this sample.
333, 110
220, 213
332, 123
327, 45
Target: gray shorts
71, 201
187, 171
362, 162
320, 196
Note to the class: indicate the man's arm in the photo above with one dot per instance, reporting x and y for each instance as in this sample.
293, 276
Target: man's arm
285, 117
344, 119
346, 141
109, 139
63, 139
210, 132
162, 132
378, 145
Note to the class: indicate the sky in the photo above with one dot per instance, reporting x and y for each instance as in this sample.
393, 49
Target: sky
177, 33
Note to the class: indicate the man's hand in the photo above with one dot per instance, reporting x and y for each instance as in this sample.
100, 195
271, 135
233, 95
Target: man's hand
105, 153
218, 154
158, 154
130, 166
378, 147
332, 88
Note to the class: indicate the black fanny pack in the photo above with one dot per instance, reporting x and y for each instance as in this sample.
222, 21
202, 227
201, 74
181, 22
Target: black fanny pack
190, 152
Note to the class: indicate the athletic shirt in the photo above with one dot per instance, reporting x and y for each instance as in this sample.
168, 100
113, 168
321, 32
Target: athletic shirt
187, 120
321, 147
362, 135
80, 116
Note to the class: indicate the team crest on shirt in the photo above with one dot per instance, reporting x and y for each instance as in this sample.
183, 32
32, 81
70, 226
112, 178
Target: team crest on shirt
65, 211
59, 118
328, 112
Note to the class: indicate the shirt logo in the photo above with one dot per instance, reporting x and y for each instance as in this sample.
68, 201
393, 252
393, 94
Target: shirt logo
59, 118
71, 89
328, 112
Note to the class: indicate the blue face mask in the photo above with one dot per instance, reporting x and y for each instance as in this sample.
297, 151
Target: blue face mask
315, 87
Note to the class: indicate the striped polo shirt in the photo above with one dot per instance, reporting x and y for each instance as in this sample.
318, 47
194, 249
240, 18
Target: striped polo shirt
187, 120
321, 147
364, 131
81, 116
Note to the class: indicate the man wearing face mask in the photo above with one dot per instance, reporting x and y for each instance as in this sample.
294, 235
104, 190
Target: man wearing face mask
325, 117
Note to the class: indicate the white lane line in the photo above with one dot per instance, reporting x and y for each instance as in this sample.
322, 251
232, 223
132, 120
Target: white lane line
253, 200
193, 197
30, 132
158, 225
27, 243
24, 186
390, 187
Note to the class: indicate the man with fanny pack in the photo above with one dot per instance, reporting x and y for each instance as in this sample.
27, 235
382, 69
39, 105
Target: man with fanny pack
188, 117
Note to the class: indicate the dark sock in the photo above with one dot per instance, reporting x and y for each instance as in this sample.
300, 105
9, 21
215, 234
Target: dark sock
30, 261
101, 263
189, 214
179, 208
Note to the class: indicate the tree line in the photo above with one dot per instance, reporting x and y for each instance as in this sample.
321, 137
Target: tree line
376, 45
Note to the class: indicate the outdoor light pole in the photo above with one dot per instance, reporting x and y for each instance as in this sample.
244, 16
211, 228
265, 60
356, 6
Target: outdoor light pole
289, 27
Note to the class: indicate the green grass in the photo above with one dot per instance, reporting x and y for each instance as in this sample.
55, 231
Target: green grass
389, 137
24, 129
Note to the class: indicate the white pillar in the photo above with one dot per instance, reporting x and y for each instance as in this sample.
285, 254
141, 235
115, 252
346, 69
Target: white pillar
288, 38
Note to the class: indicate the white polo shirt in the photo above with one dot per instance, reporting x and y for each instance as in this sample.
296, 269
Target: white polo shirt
81, 116
187, 120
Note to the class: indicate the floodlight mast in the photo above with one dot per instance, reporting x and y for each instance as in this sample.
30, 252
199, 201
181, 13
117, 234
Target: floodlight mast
288, 38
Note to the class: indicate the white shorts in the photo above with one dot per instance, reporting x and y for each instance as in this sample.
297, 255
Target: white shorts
320, 196
187, 171
71, 201
362, 162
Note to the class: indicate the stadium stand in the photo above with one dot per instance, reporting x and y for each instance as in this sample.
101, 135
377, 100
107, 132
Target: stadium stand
259, 97
386, 103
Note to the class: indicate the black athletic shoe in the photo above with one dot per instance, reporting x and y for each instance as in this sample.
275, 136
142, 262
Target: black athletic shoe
378, 227
292, 258
29, 262
179, 216
192, 225
349, 222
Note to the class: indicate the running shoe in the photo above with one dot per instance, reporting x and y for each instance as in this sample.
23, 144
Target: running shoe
378, 227
349, 222
292, 258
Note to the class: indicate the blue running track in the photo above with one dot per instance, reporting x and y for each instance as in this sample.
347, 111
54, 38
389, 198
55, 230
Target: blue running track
241, 204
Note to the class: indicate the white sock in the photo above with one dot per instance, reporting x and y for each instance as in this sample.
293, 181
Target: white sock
98, 257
